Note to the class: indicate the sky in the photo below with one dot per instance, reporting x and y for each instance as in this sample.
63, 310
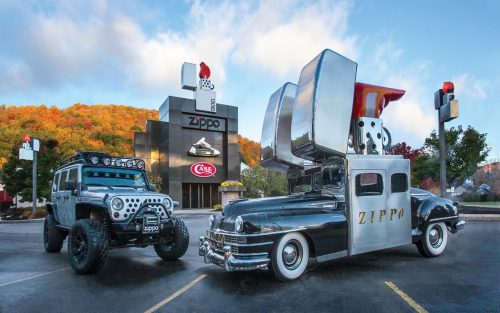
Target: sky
131, 52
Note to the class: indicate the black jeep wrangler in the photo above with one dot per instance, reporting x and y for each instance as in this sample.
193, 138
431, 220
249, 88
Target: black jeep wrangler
105, 202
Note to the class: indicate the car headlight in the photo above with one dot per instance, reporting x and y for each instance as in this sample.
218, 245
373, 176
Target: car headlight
117, 204
168, 205
238, 224
211, 220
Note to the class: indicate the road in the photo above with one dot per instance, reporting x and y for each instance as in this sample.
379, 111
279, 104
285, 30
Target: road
464, 279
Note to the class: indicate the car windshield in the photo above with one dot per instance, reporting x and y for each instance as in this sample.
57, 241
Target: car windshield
300, 184
113, 177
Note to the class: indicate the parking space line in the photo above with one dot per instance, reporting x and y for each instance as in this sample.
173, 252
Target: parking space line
31, 277
176, 294
407, 298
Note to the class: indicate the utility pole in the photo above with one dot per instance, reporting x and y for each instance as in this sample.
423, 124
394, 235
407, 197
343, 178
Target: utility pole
29, 152
34, 195
447, 106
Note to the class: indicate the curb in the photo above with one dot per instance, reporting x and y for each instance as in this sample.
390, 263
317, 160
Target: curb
26, 221
480, 217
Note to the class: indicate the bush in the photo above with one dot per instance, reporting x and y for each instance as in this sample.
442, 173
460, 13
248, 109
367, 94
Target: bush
218, 207
39, 213
27, 213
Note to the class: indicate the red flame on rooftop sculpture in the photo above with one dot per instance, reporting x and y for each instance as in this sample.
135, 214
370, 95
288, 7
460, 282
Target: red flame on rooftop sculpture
204, 71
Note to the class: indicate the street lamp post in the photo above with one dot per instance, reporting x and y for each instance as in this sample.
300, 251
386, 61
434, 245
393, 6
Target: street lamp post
447, 106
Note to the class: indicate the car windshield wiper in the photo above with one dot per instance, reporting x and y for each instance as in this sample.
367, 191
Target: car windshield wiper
100, 185
128, 186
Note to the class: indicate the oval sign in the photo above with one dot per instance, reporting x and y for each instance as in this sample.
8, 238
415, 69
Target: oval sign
203, 169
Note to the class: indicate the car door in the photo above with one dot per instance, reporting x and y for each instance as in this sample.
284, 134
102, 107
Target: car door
71, 196
61, 200
368, 220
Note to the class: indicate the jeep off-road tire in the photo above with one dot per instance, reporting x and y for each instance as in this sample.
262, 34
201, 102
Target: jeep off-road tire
180, 243
88, 246
53, 238
433, 240
289, 257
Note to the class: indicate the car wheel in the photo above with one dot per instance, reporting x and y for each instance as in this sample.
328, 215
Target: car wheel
433, 240
53, 238
87, 246
289, 257
180, 243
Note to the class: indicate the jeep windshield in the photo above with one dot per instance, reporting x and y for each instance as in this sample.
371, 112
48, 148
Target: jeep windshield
113, 178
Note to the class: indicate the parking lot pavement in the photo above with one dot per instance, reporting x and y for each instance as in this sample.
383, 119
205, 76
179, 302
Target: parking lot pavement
464, 278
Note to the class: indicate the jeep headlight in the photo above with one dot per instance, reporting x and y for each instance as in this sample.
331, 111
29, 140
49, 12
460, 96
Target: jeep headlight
238, 224
168, 205
117, 204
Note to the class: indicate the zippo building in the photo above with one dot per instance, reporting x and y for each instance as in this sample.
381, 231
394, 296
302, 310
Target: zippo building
194, 146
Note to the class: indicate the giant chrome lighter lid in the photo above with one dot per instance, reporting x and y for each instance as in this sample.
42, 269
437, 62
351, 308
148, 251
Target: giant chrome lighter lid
323, 107
276, 153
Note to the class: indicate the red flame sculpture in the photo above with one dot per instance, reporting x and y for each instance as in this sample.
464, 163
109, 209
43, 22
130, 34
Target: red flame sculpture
204, 71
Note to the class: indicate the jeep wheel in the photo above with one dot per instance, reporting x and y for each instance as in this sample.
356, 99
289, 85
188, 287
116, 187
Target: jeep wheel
180, 243
87, 246
433, 240
289, 257
53, 238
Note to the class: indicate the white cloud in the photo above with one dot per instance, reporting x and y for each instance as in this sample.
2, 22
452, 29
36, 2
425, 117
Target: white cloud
470, 86
111, 49
282, 37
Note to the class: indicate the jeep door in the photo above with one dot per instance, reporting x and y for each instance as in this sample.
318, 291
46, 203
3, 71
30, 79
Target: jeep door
54, 196
70, 197
60, 201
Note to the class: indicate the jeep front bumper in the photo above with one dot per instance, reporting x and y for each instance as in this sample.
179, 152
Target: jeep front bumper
228, 260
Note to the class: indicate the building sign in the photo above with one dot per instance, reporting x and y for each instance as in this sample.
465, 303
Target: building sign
203, 148
203, 122
203, 169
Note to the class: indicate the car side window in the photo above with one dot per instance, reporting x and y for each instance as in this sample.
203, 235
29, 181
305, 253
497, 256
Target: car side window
399, 182
369, 184
62, 181
55, 182
73, 175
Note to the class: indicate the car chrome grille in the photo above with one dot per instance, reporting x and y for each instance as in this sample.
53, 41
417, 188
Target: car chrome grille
218, 241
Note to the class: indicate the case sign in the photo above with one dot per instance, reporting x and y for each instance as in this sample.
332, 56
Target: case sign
203, 169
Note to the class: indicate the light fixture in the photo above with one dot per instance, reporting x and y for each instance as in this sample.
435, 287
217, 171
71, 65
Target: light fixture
94, 159
106, 161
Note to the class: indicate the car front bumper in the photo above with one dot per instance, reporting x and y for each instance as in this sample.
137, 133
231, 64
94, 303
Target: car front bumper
228, 260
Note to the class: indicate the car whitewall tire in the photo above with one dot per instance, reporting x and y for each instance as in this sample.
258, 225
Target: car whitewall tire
434, 240
290, 257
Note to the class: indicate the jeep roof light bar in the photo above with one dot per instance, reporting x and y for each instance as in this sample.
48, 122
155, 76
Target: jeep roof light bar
103, 159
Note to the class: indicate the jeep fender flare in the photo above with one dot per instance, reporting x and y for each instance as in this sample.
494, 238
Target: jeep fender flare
84, 209
52, 209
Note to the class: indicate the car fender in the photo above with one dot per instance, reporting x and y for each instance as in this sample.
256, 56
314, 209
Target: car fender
436, 209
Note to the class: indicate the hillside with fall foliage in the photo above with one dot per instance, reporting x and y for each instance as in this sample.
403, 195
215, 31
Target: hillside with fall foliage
106, 128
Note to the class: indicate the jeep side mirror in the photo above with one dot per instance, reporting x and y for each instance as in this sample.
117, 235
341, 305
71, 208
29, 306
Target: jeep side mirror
70, 185
152, 187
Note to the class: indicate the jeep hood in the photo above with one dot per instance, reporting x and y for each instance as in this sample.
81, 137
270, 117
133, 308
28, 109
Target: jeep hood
101, 193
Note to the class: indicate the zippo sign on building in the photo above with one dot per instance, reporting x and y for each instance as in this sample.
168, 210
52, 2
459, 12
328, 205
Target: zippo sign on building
194, 146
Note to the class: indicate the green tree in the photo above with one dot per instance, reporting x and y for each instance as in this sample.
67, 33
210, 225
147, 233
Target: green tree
17, 174
259, 180
465, 150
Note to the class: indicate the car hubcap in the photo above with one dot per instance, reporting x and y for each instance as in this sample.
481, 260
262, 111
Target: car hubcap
292, 254
79, 247
435, 237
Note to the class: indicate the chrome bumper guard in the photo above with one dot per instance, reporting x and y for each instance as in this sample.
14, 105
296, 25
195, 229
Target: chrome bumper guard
228, 260
457, 226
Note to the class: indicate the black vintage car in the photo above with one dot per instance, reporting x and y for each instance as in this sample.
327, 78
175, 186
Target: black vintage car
282, 233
